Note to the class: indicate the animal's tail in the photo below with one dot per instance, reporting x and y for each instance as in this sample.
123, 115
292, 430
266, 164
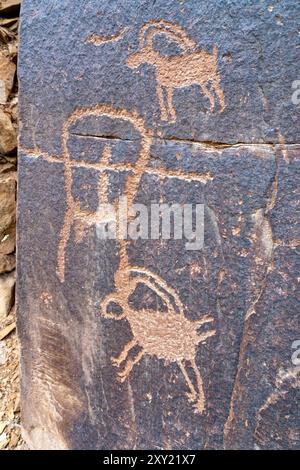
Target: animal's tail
215, 52
173, 31
109, 301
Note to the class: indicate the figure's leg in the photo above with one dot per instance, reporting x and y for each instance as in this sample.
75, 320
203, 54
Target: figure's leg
205, 319
219, 92
117, 361
200, 404
81, 220
170, 103
209, 95
193, 394
103, 178
163, 111
129, 366
62, 246
79, 229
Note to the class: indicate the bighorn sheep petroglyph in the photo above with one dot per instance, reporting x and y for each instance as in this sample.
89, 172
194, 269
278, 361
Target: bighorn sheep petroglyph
167, 335
191, 67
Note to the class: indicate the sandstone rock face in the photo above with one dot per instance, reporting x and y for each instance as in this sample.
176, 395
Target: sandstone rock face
8, 137
10, 6
7, 263
7, 73
7, 284
141, 343
7, 211
7, 236
9, 349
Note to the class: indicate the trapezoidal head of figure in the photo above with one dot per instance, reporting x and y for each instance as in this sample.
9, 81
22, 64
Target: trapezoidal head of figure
99, 122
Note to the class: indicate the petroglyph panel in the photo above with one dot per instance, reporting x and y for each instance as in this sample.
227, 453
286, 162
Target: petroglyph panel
141, 343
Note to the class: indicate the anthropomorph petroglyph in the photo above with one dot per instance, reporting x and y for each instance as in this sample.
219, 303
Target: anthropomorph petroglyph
81, 220
191, 67
168, 335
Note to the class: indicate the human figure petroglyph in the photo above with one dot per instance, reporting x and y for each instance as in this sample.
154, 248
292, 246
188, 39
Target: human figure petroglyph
81, 220
167, 335
74, 214
191, 67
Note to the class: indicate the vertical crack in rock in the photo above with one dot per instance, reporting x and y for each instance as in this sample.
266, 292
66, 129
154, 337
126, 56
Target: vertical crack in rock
263, 232
264, 425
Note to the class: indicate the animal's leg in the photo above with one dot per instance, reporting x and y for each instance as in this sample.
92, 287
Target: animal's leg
219, 92
205, 335
200, 404
170, 103
163, 110
209, 95
117, 361
205, 319
129, 366
192, 396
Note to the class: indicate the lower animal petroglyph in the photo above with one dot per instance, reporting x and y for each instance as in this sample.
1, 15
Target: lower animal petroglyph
167, 335
191, 67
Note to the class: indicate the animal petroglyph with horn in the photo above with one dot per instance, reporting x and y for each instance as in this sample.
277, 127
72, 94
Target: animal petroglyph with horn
167, 335
192, 66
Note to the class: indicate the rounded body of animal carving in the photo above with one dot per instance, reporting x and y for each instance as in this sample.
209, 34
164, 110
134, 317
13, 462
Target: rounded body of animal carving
187, 69
166, 335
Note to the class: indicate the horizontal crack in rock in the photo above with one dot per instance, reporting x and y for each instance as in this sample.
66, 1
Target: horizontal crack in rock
209, 144
102, 137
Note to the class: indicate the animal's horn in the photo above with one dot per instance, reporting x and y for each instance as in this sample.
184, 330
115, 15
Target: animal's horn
149, 30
